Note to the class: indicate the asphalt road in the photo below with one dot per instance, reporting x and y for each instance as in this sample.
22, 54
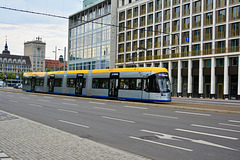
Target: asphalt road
153, 132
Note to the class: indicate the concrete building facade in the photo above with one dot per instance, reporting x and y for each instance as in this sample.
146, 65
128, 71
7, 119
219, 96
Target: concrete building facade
196, 40
36, 50
92, 43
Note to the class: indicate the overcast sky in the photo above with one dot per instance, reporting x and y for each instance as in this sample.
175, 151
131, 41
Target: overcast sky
21, 27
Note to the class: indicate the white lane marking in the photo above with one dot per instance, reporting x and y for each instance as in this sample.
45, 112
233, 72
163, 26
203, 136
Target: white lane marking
135, 107
76, 124
161, 116
234, 121
123, 120
233, 125
43, 100
207, 134
105, 109
65, 110
13, 101
65, 99
163, 144
223, 129
36, 105
194, 113
69, 104
199, 141
97, 103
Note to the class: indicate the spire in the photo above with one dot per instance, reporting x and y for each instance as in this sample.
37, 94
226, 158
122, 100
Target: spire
6, 51
6, 46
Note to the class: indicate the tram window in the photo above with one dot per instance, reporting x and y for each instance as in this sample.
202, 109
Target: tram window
130, 83
58, 82
71, 82
152, 84
39, 82
100, 83
27, 81
84, 83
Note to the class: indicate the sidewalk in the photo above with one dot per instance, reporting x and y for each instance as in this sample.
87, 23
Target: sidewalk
22, 139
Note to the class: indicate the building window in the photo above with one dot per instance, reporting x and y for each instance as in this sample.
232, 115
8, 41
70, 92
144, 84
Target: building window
143, 9
208, 19
150, 31
221, 16
158, 17
186, 23
186, 10
233, 61
207, 63
158, 5
184, 64
129, 13
158, 29
142, 21
142, 33
150, 19
135, 34
219, 62
150, 7
135, 12
221, 30
122, 16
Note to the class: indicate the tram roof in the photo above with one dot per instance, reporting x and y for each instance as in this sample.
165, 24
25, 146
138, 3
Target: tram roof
138, 69
34, 73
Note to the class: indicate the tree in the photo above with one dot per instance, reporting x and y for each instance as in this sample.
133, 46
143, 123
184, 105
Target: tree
48, 70
1, 76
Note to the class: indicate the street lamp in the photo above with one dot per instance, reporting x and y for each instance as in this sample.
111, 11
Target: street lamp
64, 57
55, 57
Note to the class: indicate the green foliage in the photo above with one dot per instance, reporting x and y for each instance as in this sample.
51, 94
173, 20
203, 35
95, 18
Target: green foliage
1, 76
48, 70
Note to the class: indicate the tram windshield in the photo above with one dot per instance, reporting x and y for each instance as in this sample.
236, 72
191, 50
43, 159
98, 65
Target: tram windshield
164, 82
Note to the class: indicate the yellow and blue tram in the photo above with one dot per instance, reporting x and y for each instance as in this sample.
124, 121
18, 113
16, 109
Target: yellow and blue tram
143, 83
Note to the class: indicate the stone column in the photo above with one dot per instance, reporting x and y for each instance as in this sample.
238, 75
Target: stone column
170, 71
213, 79
179, 88
161, 64
200, 91
226, 79
190, 78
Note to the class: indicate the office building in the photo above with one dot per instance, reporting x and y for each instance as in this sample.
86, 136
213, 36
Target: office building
36, 51
59, 65
92, 43
196, 40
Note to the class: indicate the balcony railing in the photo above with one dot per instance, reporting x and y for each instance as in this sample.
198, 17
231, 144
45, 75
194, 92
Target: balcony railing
157, 44
197, 24
220, 50
150, 21
186, 12
185, 54
149, 45
175, 42
196, 38
158, 6
135, 25
129, 15
196, 53
235, 32
128, 38
221, 35
209, 21
185, 1
234, 49
142, 58
234, 1
221, 4
121, 39
120, 60
166, 43
221, 19
235, 16
150, 9
142, 35
142, 45
157, 56
158, 19
176, 15
176, 28
175, 55
167, 4
150, 57
167, 30
135, 13
134, 47
135, 36
167, 17
175, 2
184, 41
121, 50
142, 23
208, 6
165, 56
197, 9
208, 36
143, 11
207, 51
128, 49
186, 26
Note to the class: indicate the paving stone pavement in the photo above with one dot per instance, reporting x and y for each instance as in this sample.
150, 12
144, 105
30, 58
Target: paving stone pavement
23, 139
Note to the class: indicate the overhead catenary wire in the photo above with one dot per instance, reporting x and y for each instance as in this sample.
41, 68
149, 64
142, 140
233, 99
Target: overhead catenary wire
63, 17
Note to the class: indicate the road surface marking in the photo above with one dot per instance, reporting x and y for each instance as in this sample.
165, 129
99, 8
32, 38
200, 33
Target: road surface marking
233, 125
207, 134
161, 116
80, 125
65, 99
105, 109
69, 104
234, 121
173, 137
223, 129
43, 100
36, 105
13, 101
65, 110
97, 103
163, 144
135, 107
200, 114
123, 120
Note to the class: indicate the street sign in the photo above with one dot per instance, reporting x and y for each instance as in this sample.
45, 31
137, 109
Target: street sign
187, 39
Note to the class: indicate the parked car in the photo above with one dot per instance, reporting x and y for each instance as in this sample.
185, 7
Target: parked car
18, 86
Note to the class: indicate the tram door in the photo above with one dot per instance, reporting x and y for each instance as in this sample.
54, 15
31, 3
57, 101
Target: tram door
79, 84
33, 83
113, 85
51, 83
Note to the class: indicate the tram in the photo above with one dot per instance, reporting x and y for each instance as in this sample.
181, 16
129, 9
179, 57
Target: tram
138, 84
